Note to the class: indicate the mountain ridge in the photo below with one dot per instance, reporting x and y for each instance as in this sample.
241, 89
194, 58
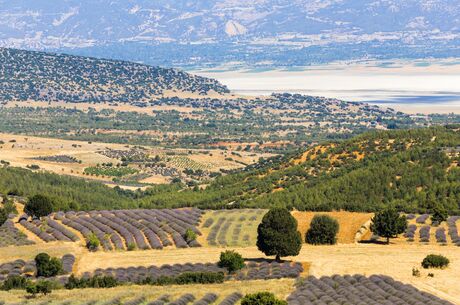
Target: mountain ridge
265, 29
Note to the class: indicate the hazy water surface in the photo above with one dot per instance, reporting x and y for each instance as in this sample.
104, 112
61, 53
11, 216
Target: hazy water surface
412, 87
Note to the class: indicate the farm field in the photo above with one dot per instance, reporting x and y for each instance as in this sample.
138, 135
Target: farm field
281, 288
396, 261
422, 231
117, 164
239, 227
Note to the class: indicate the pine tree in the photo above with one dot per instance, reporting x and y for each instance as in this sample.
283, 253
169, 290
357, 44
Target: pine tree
278, 235
388, 223
39, 206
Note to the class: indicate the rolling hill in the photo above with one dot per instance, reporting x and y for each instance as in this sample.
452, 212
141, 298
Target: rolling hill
412, 169
38, 76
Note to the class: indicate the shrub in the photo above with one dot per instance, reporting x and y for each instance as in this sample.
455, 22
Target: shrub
190, 235
93, 242
187, 278
277, 234
47, 266
14, 282
131, 246
231, 260
435, 261
323, 231
39, 206
94, 282
262, 298
43, 287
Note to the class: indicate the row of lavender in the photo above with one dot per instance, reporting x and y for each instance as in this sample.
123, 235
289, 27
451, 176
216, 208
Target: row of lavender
48, 229
252, 271
440, 233
23, 268
11, 236
121, 229
358, 289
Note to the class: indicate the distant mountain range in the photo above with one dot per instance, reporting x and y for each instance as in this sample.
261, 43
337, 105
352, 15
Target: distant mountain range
260, 32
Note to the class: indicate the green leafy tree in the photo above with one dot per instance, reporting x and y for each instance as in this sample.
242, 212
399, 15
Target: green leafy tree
231, 260
277, 234
39, 206
47, 266
439, 214
388, 223
323, 231
262, 298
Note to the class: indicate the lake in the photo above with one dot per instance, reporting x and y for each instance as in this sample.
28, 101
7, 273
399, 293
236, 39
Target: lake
413, 87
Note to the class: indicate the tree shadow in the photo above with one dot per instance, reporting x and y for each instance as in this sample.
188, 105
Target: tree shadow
374, 242
265, 260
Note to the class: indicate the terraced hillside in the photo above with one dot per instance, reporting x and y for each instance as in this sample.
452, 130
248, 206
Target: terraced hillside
38, 76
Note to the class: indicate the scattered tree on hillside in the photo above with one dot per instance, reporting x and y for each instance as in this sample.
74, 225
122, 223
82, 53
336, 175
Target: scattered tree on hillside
388, 223
323, 231
39, 206
278, 235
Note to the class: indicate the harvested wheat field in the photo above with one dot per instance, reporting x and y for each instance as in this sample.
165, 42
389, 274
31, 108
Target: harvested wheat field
349, 223
238, 228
